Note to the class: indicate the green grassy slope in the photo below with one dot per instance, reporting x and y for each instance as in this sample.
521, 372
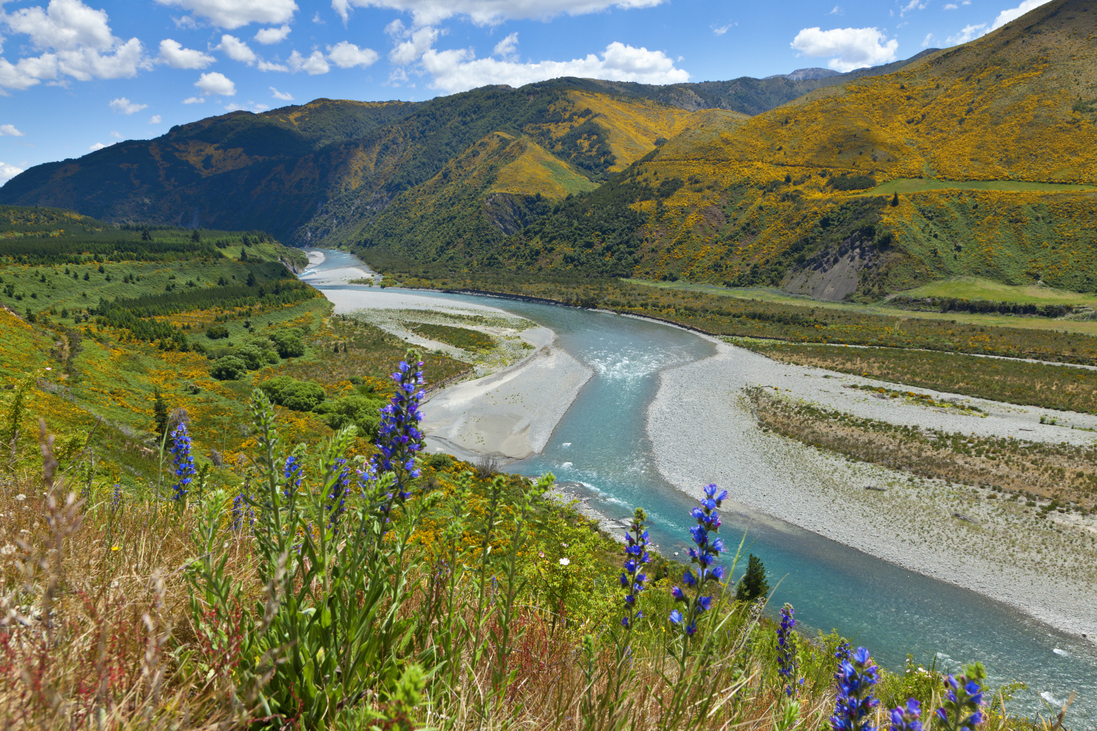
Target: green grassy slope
95, 319
786, 198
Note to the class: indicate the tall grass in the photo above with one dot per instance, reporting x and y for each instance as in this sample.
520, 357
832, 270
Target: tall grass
312, 598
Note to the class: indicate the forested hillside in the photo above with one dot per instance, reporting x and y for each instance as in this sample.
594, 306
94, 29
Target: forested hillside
978, 160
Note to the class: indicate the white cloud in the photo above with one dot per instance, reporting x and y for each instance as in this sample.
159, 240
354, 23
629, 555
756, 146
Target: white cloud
27, 72
414, 45
952, 6
346, 55
194, 100
269, 36
249, 107
849, 48
268, 66
282, 95
1008, 16
7, 172
836, 11
122, 105
927, 40
185, 23
460, 70
85, 64
313, 65
215, 83
969, 33
76, 41
237, 50
63, 25
913, 5
507, 47
116, 134
155, 119
721, 30
97, 146
231, 14
9, 130
173, 54
490, 12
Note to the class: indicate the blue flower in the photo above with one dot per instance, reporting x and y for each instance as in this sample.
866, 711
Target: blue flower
856, 678
636, 555
293, 472
399, 437
241, 512
786, 650
117, 499
705, 554
184, 464
962, 707
907, 718
340, 491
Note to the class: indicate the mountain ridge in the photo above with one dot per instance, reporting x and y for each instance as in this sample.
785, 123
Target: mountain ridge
658, 182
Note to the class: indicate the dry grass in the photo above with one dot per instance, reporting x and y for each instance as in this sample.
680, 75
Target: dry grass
97, 630
1063, 473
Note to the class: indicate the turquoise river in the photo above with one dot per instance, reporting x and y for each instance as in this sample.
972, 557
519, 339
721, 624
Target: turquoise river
602, 444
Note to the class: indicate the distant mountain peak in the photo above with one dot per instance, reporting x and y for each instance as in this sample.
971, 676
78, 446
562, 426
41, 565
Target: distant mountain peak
806, 74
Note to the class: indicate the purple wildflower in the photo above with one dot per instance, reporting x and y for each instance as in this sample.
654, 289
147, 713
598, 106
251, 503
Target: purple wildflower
636, 555
293, 473
184, 464
704, 555
786, 650
963, 704
907, 718
242, 512
856, 677
337, 498
400, 438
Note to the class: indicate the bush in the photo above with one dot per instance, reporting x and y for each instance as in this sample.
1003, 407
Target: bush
257, 354
360, 411
288, 343
293, 394
217, 332
229, 368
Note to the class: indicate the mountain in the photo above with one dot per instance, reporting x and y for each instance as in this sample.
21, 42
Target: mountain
972, 160
803, 74
987, 150
318, 173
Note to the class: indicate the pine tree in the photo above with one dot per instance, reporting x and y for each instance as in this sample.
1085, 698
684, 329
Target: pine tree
160, 414
895, 200
753, 584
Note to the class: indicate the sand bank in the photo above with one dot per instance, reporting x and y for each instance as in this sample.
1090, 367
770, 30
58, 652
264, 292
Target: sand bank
702, 431
510, 415
507, 415
342, 275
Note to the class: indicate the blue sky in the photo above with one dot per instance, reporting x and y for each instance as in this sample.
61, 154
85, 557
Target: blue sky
76, 76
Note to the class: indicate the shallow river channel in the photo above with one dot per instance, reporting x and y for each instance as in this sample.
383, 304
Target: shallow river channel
601, 444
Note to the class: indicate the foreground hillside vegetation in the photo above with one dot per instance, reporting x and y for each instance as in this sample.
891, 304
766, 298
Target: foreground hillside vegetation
190, 554
331, 588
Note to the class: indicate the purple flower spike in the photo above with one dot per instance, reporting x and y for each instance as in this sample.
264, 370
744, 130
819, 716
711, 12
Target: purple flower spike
636, 555
786, 651
704, 555
856, 678
399, 437
184, 464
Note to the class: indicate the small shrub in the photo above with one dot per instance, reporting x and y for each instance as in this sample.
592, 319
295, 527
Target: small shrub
229, 368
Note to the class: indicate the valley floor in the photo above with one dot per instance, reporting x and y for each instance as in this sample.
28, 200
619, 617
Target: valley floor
702, 430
